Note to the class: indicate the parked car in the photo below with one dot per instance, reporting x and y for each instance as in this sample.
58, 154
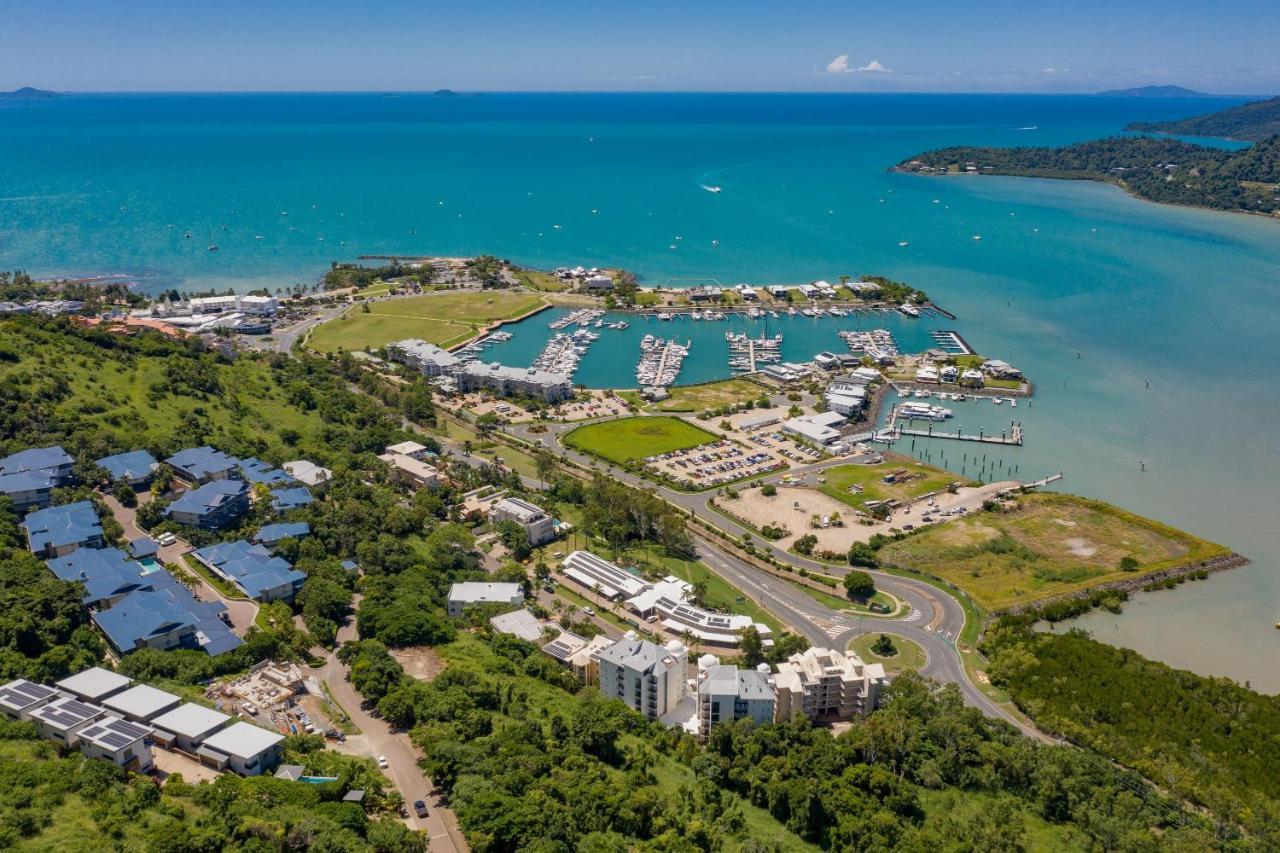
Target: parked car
382, 762
166, 539
419, 808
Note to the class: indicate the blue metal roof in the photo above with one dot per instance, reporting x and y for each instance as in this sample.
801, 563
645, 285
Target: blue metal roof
252, 567
269, 534
201, 462
68, 524
210, 496
27, 481
134, 465
35, 459
351, 565
105, 572
144, 547
286, 499
163, 607
257, 471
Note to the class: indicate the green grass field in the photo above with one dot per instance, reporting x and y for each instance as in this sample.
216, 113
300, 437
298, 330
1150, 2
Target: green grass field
871, 479
910, 654
637, 438
444, 319
712, 395
1052, 545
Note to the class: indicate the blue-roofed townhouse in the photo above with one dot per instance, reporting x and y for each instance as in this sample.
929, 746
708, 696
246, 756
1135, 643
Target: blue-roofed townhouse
29, 477
283, 500
270, 534
254, 569
107, 574
256, 471
53, 459
211, 506
166, 616
57, 530
136, 468
198, 465
141, 549
28, 489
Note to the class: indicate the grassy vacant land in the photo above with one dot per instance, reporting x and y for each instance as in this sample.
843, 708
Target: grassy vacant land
920, 479
1050, 545
544, 281
444, 319
910, 655
712, 395
636, 438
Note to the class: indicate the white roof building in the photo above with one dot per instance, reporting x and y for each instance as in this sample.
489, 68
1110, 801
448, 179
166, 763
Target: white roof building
308, 473
463, 595
539, 526
94, 684
810, 431
188, 725
669, 601
427, 358
142, 703
247, 749
647, 677
598, 574
121, 742
827, 684
727, 693
414, 471
20, 697
519, 623
62, 718
410, 448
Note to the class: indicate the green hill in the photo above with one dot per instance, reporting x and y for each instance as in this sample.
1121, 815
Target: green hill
1156, 169
1252, 122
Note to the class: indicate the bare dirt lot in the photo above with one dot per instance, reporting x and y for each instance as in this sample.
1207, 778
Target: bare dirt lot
795, 506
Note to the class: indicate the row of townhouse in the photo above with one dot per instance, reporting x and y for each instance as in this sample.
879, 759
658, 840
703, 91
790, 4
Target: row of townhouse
107, 716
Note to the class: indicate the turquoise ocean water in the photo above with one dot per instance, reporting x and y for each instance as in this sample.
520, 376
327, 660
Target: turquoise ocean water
1149, 330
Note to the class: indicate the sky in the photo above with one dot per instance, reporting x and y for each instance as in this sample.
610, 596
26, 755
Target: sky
646, 45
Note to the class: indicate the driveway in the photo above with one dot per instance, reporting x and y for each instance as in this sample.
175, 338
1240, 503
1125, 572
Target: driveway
440, 825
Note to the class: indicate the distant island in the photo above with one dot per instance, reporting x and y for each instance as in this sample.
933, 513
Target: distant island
1252, 122
1153, 92
1156, 169
28, 92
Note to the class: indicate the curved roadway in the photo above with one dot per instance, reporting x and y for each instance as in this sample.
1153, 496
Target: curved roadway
934, 619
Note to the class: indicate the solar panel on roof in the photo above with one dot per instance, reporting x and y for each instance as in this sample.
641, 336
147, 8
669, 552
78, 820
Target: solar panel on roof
116, 740
132, 730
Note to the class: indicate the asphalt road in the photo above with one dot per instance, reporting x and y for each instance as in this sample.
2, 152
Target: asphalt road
933, 619
402, 758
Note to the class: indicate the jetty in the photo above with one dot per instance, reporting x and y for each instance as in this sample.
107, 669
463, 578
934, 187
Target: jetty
660, 361
1012, 436
1043, 481
746, 354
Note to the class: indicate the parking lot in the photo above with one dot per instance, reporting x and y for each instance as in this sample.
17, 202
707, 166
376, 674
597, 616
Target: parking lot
706, 465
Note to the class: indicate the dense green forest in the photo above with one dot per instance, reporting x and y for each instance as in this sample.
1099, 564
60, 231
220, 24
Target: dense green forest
1156, 169
1207, 740
1251, 122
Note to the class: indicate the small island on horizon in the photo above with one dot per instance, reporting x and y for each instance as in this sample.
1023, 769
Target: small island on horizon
29, 92
1154, 92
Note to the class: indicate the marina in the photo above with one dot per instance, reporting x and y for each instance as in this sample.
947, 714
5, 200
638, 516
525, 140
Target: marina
660, 362
746, 355
564, 351
877, 344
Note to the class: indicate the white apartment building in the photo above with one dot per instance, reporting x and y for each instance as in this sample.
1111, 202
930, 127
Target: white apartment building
533, 519
647, 677
427, 358
260, 305
463, 595
514, 381
727, 693
824, 684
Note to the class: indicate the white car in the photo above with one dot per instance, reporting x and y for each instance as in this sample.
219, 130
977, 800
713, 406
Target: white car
382, 762
166, 539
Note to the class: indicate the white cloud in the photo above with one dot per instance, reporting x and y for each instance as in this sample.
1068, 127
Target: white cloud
840, 65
